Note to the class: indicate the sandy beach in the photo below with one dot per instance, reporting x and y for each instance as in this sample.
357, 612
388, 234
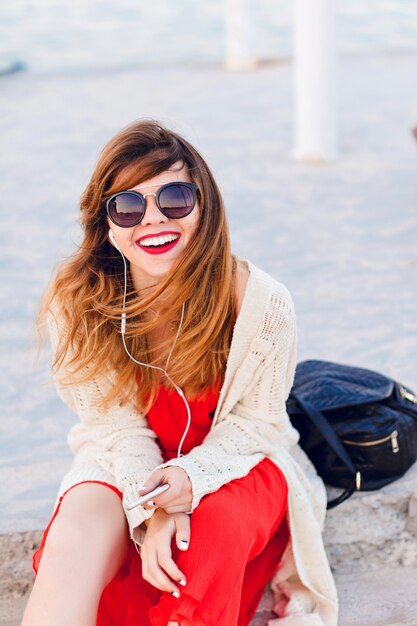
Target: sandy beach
341, 236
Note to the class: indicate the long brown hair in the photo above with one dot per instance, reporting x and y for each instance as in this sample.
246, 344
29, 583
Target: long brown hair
87, 289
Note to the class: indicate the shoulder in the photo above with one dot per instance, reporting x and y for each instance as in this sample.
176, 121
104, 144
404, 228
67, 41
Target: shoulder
267, 292
268, 311
241, 281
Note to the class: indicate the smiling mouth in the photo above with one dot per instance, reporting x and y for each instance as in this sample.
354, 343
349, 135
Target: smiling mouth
158, 245
157, 242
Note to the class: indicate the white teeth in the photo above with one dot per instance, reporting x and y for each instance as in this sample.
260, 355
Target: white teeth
158, 241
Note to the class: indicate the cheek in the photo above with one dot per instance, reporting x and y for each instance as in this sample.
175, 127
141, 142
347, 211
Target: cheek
117, 232
193, 223
123, 239
190, 231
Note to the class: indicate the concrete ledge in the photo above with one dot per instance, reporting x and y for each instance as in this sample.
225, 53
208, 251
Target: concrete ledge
386, 597
383, 598
16, 575
375, 529
371, 543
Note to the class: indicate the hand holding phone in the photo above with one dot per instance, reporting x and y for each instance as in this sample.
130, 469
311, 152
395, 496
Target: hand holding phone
147, 496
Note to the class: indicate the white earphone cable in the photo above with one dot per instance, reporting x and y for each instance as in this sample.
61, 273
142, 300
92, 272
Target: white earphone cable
156, 367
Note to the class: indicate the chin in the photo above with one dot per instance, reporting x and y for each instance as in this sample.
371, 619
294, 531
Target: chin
154, 275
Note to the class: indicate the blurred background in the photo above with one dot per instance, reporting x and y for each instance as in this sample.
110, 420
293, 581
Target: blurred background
61, 36
341, 234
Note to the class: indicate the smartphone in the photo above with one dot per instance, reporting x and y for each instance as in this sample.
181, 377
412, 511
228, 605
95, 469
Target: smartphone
148, 496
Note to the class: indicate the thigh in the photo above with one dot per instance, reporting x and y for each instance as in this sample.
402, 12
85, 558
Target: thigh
245, 512
89, 521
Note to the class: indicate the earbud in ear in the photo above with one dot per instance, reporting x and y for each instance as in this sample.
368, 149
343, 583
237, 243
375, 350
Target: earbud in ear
113, 239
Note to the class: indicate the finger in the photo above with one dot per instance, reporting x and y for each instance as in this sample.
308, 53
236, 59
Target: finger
172, 497
155, 575
163, 501
150, 505
153, 480
154, 504
170, 567
183, 508
183, 532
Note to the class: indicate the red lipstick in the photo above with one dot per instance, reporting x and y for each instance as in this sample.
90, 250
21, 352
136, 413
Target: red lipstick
158, 249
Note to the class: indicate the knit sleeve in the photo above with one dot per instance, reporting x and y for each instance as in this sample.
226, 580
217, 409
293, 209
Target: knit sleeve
258, 425
117, 446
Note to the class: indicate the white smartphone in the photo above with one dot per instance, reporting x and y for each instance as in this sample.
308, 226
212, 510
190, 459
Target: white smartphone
148, 496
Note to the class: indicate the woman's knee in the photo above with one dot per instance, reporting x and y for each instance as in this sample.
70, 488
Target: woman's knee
90, 522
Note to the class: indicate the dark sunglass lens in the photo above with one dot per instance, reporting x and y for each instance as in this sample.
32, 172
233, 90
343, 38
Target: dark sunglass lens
176, 201
126, 209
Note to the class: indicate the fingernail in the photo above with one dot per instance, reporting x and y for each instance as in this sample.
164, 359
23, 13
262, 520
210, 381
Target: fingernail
182, 582
175, 594
151, 503
183, 544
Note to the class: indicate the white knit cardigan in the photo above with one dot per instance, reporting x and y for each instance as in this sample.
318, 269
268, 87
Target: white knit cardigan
250, 423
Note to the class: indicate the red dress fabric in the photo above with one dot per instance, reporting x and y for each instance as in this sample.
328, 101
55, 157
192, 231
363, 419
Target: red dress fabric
237, 538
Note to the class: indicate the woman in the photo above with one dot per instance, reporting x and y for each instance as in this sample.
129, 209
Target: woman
178, 358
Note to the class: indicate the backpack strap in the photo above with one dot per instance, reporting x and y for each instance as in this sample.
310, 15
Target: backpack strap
330, 435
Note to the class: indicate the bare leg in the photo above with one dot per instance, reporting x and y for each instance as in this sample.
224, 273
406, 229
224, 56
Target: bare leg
86, 546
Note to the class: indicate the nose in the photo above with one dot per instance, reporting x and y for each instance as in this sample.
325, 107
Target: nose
152, 214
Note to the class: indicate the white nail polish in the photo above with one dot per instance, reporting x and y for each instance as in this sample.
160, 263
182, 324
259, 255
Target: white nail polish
183, 544
175, 594
151, 503
182, 582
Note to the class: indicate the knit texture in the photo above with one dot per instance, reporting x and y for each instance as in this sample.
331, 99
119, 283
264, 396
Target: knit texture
250, 423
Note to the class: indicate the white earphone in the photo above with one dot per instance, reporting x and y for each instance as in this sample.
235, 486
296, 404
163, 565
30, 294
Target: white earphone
163, 370
113, 239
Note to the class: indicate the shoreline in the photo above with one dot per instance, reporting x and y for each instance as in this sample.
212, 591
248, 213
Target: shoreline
23, 67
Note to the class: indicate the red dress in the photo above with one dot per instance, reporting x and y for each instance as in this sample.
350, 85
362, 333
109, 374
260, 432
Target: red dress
238, 535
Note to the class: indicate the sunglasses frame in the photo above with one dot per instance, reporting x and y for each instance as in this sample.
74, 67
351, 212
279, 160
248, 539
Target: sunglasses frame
193, 187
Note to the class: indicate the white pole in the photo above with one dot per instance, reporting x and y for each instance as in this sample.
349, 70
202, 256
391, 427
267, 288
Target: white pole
315, 73
239, 36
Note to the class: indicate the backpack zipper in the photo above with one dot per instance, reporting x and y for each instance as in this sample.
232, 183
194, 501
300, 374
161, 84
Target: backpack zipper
393, 436
407, 394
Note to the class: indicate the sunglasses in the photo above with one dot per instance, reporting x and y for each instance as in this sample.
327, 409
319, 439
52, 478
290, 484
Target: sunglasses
174, 200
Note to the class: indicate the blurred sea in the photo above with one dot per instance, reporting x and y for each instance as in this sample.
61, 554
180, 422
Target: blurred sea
72, 35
